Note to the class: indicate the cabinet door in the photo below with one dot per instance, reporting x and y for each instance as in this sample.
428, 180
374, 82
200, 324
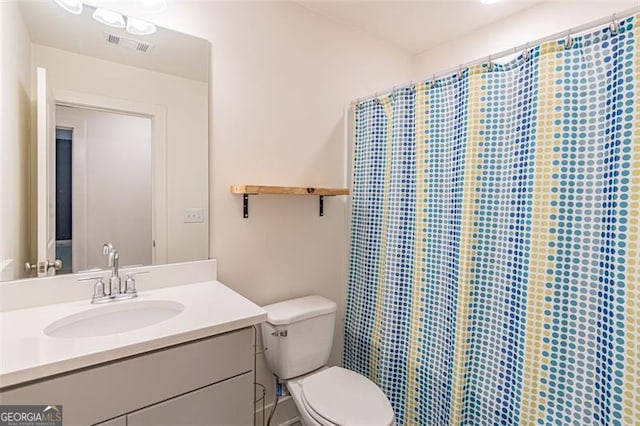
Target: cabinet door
225, 403
120, 421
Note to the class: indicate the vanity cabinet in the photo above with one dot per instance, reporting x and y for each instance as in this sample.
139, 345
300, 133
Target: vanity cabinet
208, 381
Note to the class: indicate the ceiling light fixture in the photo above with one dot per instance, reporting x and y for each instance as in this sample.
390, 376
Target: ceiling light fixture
109, 18
137, 26
490, 1
71, 6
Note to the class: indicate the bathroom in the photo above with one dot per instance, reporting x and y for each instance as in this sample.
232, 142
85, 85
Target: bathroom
278, 110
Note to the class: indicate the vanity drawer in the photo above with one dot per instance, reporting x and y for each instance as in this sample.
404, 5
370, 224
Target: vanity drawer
103, 392
226, 403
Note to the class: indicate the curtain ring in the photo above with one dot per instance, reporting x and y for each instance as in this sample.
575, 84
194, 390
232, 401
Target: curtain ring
568, 42
433, 81
460, 72
412, 86
490, 64
526, 54
614, 26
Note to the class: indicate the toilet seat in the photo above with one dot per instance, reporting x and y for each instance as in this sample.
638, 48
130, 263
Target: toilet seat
337, 396
315, 416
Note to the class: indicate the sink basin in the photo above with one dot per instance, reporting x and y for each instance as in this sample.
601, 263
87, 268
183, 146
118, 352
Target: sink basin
117, 318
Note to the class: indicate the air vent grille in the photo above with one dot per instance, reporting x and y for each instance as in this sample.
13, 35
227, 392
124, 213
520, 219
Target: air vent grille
128, 43
111, 38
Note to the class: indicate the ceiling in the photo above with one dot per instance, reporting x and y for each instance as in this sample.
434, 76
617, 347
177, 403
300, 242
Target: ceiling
172, 53
413, 26
416, 26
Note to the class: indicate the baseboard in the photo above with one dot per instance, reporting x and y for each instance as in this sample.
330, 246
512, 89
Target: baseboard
286, 414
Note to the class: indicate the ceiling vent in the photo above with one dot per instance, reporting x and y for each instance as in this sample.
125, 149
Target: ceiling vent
128, 43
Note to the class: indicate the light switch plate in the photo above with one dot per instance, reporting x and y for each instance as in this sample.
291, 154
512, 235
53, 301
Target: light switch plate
194, 216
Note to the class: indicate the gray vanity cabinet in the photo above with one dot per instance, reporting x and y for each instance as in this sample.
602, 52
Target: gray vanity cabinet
204, 382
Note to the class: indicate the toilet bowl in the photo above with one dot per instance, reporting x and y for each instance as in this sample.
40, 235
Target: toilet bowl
299, 335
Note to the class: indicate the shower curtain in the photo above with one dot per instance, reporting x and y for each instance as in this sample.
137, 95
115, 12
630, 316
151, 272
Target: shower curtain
494, 249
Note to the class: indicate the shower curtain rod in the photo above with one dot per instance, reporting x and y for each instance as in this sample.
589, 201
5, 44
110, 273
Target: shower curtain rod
509, 52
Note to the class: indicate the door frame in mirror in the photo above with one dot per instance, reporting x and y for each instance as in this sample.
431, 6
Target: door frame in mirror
79, 185
158, 116
45, 175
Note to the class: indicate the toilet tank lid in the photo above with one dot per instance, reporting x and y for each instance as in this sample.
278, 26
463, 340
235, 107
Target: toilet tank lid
294, 310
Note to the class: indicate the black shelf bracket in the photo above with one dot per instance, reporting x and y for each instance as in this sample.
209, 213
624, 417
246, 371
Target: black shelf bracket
245, 205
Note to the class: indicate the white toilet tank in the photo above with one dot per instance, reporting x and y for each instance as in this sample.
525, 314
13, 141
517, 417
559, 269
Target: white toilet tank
299, 335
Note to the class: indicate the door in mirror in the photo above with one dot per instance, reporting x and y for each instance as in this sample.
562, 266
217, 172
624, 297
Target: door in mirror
47, 264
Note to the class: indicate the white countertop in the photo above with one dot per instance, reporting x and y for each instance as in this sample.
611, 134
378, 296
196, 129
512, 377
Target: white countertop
26, 353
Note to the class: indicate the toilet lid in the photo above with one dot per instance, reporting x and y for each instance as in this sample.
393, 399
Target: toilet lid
344, 397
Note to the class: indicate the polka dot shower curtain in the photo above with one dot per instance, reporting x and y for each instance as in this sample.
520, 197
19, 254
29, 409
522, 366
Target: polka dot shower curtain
494, 247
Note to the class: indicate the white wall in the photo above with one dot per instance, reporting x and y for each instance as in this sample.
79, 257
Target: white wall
536, 22
15, 120
116, 198
186, 103
282, 78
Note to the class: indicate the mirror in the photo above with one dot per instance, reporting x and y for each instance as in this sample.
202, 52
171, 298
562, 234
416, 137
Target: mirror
104, 138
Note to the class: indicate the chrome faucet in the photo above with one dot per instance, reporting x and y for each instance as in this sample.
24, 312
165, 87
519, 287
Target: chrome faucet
114, 258
113, 291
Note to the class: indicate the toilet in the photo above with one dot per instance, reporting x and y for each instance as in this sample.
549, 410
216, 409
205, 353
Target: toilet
299, 335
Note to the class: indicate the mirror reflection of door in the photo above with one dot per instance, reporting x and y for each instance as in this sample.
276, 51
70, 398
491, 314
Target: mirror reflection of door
103, 187
46, 263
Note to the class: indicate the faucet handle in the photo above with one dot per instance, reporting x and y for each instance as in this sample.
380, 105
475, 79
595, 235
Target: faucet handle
130, 282
98, 288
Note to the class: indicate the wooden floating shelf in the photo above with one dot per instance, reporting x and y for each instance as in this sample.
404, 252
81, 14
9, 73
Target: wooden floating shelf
286, 190
247, 190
